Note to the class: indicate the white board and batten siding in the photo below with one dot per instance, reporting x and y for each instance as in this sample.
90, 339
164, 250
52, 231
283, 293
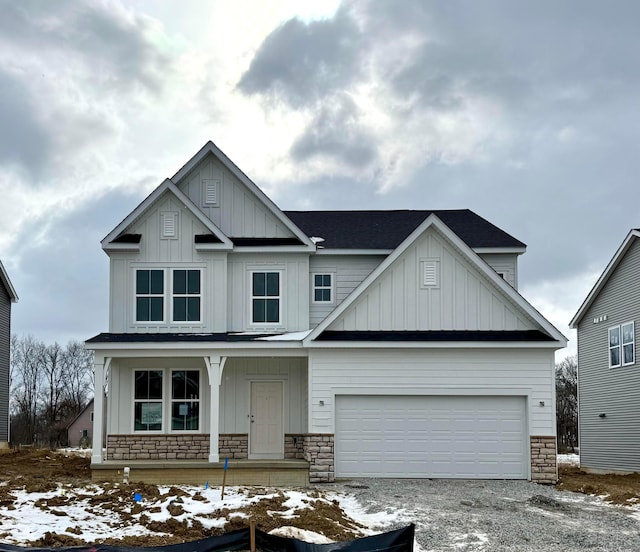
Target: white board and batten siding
459, 296
348, 271
519, 379
236, 388
294, 286
229, 203
611, 442
159, 251
505, 264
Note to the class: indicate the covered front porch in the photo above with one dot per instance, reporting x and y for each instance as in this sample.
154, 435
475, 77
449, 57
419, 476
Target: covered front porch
175, 414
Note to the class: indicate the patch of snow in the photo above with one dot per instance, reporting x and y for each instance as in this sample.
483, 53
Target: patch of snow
569, 459
301, 534
372, 521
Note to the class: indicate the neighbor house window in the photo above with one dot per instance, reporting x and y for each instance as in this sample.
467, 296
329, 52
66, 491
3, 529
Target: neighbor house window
147, 408
265, 297
622, 345
186, 296
149, 295
185, 400
322, 288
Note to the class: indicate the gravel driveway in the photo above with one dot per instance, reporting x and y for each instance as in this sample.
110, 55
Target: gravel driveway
497, 515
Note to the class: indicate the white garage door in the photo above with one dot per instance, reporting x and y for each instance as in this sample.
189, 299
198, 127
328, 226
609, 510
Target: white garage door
431, 436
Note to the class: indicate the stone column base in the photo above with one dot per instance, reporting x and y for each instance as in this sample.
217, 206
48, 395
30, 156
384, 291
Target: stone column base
318, 451
544, 467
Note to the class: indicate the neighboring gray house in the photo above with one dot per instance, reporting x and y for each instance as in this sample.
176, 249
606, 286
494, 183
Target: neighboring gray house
8, 295
80, 430
321, 344
608, 376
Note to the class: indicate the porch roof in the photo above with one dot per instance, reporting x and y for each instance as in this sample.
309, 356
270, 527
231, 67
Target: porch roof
436, 335
228, 337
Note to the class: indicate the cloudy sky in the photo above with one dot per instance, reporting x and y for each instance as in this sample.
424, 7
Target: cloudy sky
526, 112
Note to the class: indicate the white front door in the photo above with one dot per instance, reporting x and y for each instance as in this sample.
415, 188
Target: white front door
266, 433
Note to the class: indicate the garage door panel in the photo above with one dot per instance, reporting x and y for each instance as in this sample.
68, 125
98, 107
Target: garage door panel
430, 436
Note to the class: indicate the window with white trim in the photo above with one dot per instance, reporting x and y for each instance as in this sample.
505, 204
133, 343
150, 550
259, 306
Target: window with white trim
185, 400
265, 297
622, 345
147, 401
186, 295
149, 295
323, 288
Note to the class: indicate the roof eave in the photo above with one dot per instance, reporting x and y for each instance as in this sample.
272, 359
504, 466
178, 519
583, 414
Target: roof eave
604, 277
4, 277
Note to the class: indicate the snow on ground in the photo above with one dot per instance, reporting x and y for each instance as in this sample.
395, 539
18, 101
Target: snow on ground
569, 459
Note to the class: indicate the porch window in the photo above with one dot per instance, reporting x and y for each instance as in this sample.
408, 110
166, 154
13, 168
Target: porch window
186, 296
322, 288
147, 406
185, 400
149, 295
265, 298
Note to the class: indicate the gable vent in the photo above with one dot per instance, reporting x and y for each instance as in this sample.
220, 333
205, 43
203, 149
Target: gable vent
430, 273
210, 191
169, 224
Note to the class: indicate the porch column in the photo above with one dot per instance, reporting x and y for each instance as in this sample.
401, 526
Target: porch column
100, 369
215, 365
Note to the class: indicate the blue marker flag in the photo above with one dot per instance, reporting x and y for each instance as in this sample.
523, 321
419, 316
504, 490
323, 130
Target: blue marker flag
226, 464
137, 497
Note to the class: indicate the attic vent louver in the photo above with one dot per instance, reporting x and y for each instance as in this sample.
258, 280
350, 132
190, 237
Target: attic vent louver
210, 191
430, 273
169, 224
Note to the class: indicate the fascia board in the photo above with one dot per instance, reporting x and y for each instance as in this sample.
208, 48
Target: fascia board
436, 345
210, 147
13, 296
604, 277
195, 347
472, 257
275, 249
488, 250
147, 203
323, 251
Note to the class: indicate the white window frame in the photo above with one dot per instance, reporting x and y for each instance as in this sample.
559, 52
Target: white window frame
174, 295
160, 401
315, 287
621, 344
252, 297
136, 295
172, 400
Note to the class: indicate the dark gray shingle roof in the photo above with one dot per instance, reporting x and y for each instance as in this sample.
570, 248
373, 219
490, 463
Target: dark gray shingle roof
387, 229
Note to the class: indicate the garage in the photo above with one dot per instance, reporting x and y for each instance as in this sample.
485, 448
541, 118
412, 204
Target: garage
477, 437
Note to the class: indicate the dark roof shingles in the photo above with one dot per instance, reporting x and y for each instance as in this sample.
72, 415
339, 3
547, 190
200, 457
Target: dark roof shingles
387, 229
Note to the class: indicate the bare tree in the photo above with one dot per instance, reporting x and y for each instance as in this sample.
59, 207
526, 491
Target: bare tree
567, 403
79, 375
54, 376
27, 358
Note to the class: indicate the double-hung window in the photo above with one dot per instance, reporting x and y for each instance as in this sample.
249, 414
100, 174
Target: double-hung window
186, 295
265, 297
622, 345
149, 295
322, 288
147, 403
185, 400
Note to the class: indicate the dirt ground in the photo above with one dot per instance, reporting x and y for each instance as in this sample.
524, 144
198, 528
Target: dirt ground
41, 471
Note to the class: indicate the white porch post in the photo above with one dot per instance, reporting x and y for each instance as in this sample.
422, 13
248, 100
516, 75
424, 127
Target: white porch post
215, 365
100, 368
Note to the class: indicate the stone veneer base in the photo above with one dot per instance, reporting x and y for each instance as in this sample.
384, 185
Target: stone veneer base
544, 466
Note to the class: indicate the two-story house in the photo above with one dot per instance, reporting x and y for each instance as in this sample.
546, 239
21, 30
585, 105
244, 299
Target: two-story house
323, 344
608, 377
8, 295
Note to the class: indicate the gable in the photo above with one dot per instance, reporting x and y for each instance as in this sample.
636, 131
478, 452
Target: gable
229, 203
168, 231
432, 286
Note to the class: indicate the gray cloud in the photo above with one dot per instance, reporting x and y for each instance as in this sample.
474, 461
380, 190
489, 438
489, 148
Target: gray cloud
302, 62
336, 132
110, 43
25, 140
